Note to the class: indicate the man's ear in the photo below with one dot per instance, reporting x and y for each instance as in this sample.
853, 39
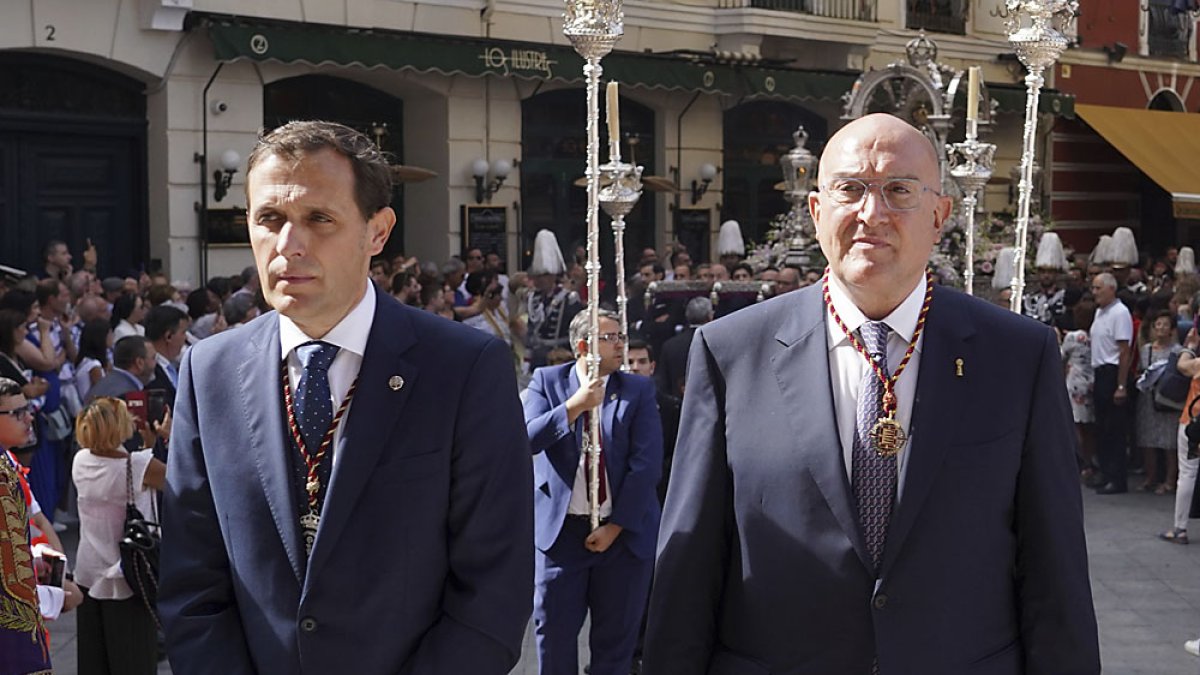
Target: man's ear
379, 228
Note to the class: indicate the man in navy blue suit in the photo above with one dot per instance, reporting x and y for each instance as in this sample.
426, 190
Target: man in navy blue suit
608, 570
874, 474
349, 482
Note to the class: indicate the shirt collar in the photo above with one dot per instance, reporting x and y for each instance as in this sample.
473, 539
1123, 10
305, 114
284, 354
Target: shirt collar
132, 378
581, 372
902, 320
349, 334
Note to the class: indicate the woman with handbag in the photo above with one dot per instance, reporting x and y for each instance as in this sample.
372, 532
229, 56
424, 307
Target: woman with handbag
1156, 427
116, 624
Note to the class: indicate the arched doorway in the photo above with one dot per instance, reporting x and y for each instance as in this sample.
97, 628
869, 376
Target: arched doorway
375, 113
72, 162
554, 156
757, 135
1168, 100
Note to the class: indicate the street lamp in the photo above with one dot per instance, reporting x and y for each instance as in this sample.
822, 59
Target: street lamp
499, 170
223, 177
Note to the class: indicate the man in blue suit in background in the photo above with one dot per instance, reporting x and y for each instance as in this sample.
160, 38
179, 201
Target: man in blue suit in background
349, 483
874, 475
607, 570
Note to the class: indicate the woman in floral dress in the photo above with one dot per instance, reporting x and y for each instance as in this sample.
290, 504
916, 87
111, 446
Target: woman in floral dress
1077, 360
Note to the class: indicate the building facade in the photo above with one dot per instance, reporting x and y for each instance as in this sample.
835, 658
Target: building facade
128, 123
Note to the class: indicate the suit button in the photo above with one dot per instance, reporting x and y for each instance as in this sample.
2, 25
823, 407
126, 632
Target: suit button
308, 624
880, 601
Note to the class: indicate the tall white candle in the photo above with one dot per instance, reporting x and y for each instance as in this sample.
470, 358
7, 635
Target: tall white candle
973, 94
614, 118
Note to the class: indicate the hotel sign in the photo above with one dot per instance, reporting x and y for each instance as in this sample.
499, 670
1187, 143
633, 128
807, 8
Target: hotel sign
515, 60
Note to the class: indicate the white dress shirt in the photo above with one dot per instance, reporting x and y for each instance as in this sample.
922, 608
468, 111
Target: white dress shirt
579, 492
350, 335
846, 368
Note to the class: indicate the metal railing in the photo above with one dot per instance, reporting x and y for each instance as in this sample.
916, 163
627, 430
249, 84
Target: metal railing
853, 10
937, 16
1170, 32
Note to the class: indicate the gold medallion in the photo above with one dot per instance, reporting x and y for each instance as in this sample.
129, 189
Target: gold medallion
888, 437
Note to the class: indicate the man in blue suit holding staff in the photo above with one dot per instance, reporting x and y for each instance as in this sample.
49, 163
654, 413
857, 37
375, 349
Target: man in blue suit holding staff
349, 484
874, 475
607, 570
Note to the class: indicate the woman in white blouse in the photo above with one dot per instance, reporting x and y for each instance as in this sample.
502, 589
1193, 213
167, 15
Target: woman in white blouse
116, 629
95, 342
127, 314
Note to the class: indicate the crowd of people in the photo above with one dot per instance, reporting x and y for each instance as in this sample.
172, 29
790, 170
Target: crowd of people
85, 358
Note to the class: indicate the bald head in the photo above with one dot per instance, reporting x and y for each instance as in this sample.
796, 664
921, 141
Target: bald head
865, 136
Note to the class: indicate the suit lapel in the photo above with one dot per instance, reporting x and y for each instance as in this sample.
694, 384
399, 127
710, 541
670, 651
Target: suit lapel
608, 412
261, 389
940, 393
801, 368
370, 421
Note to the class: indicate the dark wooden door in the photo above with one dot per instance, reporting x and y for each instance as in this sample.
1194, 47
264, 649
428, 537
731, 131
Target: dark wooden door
75, 189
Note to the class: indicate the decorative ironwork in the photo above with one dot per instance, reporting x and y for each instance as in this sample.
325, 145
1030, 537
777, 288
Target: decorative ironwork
1039, 31
853, 10
593, 27
939, 16
1168, 30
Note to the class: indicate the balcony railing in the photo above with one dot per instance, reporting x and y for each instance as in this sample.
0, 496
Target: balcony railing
853, 10
937, 16
1170, 32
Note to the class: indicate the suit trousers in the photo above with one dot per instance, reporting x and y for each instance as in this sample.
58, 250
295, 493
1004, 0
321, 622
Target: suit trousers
1112, 427
116, 637
571, 580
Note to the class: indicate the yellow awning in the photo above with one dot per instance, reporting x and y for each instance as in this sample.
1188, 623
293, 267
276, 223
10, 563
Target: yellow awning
1164, 145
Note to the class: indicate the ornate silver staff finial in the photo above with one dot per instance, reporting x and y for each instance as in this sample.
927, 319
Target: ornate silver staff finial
617, 198
1037, 31
799, 173
593, 27
971, 166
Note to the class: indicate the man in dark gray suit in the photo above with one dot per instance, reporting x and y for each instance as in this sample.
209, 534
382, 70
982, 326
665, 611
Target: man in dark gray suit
874, 474
133, 367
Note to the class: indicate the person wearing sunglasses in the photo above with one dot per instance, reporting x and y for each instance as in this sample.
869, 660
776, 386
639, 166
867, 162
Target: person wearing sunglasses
607, 570
874, 474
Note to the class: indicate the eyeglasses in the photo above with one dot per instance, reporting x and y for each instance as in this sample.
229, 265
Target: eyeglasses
612, 337
899, 194
24, 411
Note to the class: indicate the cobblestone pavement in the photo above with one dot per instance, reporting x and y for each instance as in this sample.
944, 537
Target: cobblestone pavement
1147, 592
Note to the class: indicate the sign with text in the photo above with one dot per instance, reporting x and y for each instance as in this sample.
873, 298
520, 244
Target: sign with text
486, 228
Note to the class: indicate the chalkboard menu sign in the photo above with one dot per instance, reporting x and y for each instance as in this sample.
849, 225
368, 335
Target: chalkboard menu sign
693, 229
486, 228
227, 226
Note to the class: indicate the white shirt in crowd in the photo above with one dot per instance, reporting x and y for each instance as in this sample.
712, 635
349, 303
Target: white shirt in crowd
847, 366
100, 482
125, 329
578, 505
1111, 325
350, 334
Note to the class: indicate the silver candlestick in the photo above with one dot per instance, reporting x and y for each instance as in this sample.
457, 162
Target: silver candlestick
618, 197
971, 165
593, 27
1037, 31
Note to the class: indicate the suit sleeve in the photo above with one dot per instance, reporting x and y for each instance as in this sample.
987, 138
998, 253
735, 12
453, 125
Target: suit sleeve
639, 486
546, 424
1058, 622
694, 540
196, 598
489, 588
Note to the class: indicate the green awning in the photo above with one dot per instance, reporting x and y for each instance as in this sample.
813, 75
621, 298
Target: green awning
235, 38
315, 44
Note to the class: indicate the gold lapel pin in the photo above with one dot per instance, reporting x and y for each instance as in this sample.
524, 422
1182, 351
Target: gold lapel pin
958, 365
612, 397
396, 383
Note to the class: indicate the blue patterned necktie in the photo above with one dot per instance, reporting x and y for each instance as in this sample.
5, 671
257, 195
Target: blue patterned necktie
313, 403
874, 476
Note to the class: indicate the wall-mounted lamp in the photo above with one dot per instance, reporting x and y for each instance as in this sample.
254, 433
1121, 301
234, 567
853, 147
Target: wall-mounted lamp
223, 177
1116, 51
707, 173
483, 189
